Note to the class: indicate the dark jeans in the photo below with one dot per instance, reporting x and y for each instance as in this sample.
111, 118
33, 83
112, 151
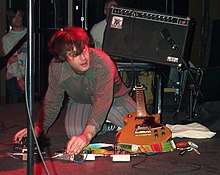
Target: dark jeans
14, 93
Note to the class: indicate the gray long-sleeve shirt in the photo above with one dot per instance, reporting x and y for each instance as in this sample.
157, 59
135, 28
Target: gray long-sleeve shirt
98, 86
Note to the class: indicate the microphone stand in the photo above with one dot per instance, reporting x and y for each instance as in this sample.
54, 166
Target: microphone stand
29, 89
194, 87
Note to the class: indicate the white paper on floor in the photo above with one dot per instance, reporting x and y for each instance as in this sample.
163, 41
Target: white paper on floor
192, 130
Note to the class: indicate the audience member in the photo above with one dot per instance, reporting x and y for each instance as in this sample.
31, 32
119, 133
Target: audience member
97, 31
16, 64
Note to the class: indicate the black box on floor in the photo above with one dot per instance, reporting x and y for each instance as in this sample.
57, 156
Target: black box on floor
210, 85
169, 102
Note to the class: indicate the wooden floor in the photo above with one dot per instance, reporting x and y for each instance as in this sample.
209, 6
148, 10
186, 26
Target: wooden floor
14, 117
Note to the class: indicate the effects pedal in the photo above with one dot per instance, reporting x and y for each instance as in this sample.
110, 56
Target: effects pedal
85, 155
68, 157
20, 148
120, 155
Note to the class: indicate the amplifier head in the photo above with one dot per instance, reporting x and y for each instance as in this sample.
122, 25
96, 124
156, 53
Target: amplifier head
147, 36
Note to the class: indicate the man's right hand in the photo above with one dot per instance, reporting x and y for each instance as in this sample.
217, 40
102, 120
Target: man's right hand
21, 83
23, 133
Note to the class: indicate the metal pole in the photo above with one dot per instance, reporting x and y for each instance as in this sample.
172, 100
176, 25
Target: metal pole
82, 14
167, 6
172, 7
29, 84
86, 15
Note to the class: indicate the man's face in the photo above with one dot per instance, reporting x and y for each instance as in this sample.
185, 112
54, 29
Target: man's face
108, 6
79, 63
17, 21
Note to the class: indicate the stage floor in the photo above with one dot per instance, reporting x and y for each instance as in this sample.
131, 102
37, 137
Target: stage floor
14, 117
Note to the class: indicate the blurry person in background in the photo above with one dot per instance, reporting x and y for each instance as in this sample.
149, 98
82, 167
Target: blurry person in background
16, 65
97, 31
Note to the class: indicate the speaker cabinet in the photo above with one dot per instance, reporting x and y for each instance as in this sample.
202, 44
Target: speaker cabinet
148, 36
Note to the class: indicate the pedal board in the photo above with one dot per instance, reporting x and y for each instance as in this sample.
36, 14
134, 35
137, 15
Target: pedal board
89, 156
